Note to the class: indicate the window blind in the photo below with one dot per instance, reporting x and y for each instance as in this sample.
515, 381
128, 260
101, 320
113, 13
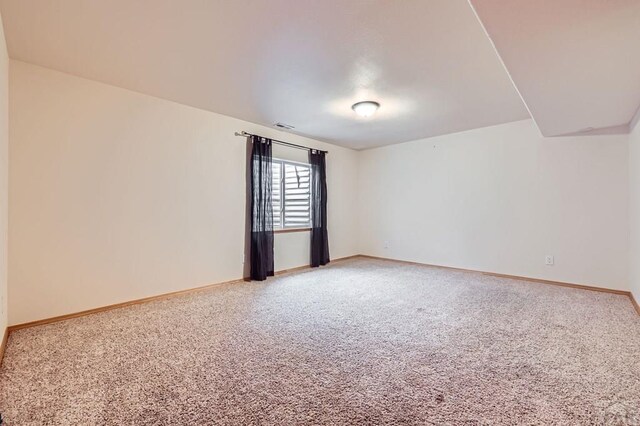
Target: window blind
290, 195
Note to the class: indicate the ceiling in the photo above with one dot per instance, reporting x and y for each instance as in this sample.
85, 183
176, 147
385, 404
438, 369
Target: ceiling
300, 62
305, 62
576, 63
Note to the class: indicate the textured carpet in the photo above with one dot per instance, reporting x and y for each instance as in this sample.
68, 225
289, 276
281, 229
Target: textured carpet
358, 342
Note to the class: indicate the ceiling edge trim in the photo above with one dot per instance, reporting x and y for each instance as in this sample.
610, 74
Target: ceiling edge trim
620, 129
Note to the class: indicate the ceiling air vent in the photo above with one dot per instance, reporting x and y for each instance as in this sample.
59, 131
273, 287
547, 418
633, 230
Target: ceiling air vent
283, 126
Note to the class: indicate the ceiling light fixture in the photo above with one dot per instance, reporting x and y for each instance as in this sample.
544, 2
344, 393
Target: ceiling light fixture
365, 108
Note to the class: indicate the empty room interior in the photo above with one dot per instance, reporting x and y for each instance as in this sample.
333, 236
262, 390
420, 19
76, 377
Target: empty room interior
319, 212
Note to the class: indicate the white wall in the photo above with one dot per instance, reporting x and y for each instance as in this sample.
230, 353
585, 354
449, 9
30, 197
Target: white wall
499, 199
634, 210
115, 195
4, 176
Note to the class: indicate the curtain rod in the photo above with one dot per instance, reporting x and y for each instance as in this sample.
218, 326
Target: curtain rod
289, 144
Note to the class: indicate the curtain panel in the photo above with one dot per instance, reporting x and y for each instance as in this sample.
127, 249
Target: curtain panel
319, 234
261, 251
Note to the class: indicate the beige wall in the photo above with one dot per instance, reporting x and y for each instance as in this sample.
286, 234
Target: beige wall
499, 199
116, 195
634, 210
4, 176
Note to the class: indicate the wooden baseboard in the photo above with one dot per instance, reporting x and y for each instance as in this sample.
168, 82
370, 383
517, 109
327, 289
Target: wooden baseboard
149, 299
635, 303
513, 277
115, 306
302, 268
3, 344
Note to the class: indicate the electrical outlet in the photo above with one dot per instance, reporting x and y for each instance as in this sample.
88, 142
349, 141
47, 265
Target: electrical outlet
386, 245
548, 260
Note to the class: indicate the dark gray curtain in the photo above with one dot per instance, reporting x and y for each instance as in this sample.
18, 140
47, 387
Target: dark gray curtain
319, 239
261, 209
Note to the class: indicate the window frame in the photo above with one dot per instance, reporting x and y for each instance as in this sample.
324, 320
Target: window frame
287, 229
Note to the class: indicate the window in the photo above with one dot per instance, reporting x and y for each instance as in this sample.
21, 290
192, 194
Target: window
291, 199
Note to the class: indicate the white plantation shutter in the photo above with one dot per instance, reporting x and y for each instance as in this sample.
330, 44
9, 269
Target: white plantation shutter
296, 196
291, 201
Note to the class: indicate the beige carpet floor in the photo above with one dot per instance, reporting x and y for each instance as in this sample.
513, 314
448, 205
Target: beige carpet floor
358, 342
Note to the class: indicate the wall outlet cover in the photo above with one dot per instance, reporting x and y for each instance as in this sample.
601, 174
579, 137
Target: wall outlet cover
548, 260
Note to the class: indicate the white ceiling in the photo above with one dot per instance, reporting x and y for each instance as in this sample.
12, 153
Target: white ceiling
305, 62
576, 63
300, 62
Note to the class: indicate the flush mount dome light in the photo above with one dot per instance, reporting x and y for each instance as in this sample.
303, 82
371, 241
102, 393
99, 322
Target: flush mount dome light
365, 108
